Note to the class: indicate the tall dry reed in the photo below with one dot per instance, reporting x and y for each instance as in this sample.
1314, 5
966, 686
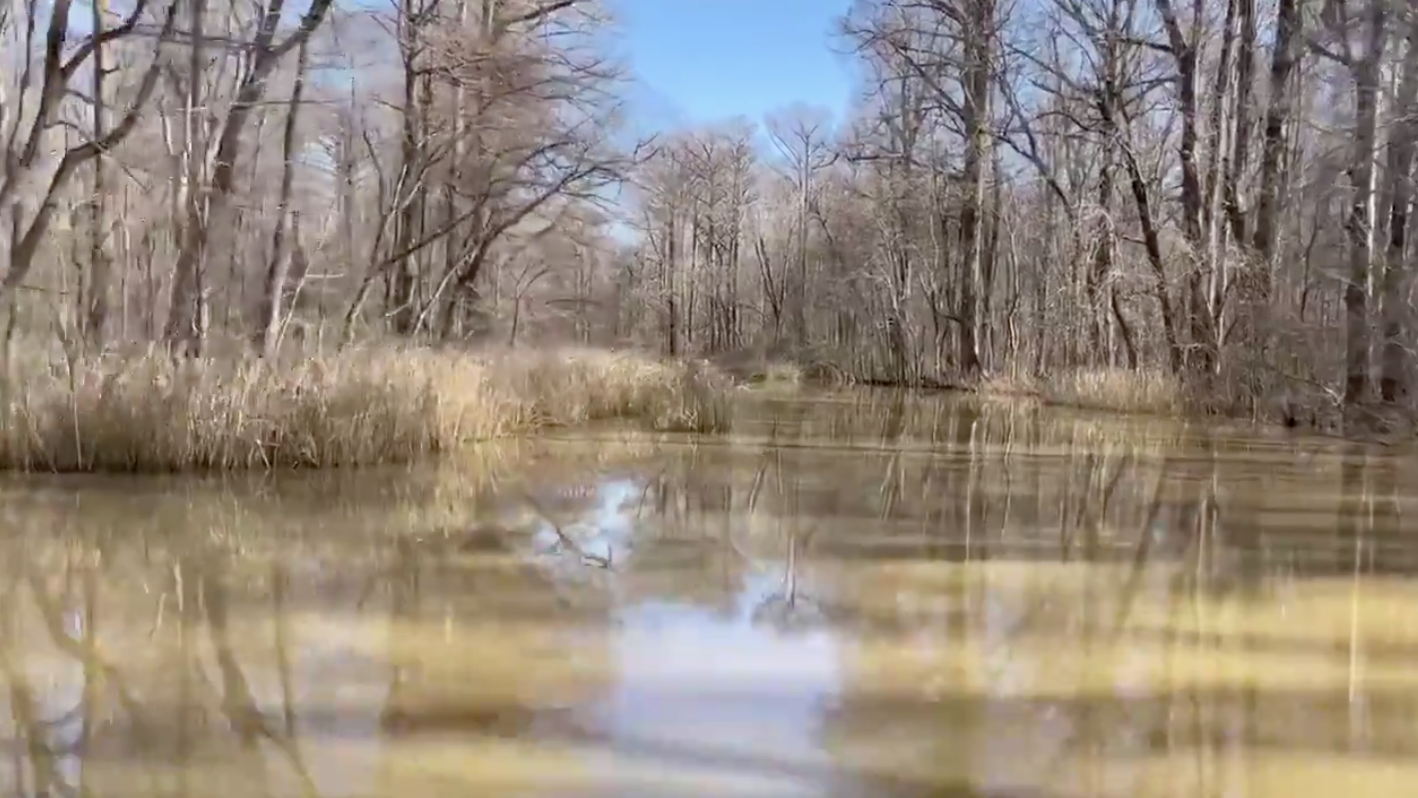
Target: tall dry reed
1119, 390
363, 406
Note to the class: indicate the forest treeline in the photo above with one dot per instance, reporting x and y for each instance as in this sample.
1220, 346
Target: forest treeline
1218, 191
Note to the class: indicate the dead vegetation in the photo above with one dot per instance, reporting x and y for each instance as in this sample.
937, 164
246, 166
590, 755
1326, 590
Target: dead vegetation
1117, 390
379, 404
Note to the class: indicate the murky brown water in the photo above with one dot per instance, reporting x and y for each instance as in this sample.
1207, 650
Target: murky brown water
852, 597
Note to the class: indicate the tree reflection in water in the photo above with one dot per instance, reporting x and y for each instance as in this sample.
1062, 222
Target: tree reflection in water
878, 595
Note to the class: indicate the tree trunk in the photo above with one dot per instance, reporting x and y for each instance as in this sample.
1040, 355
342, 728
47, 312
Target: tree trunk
100, 262
182, 311
1403, 140
405, 274
277, 270
1200, 356
1274, 140
1357, 224
976, 118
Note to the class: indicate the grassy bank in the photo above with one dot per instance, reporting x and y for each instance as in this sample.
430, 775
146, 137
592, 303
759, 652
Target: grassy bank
1150, 392
145, 413
1116, 390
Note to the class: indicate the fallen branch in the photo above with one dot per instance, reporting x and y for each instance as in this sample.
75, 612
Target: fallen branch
566, 540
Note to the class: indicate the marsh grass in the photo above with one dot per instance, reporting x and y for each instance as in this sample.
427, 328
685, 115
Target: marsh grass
1144, 391
786, 374
1119, 390
146, 413
1020, 387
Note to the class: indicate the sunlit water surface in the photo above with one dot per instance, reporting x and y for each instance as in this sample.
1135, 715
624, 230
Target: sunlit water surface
854, 595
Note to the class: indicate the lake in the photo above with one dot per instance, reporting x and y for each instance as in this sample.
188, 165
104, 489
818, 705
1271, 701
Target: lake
855, 594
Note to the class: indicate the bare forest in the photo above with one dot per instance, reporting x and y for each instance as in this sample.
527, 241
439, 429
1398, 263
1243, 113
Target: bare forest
1218, 192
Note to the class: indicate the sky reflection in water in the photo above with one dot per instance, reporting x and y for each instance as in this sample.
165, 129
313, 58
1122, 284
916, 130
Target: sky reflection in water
980, 600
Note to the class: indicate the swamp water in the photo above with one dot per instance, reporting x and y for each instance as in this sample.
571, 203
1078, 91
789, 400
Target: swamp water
856, 595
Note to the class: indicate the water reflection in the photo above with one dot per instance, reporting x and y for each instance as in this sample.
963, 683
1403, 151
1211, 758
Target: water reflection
861, 595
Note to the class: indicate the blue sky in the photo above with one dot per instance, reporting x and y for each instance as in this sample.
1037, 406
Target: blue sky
704, 60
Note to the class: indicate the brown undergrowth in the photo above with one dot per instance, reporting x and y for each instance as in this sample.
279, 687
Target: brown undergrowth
378, 404
1118, 390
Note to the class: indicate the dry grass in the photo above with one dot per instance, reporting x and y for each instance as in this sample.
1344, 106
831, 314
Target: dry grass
1144, 391
783, 373
1010, 386
1119, 390
361, 407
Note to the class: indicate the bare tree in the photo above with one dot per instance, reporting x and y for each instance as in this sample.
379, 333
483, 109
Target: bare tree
31, 185
800, 135
1394, 368
274, 290
208, 205
1019, 188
